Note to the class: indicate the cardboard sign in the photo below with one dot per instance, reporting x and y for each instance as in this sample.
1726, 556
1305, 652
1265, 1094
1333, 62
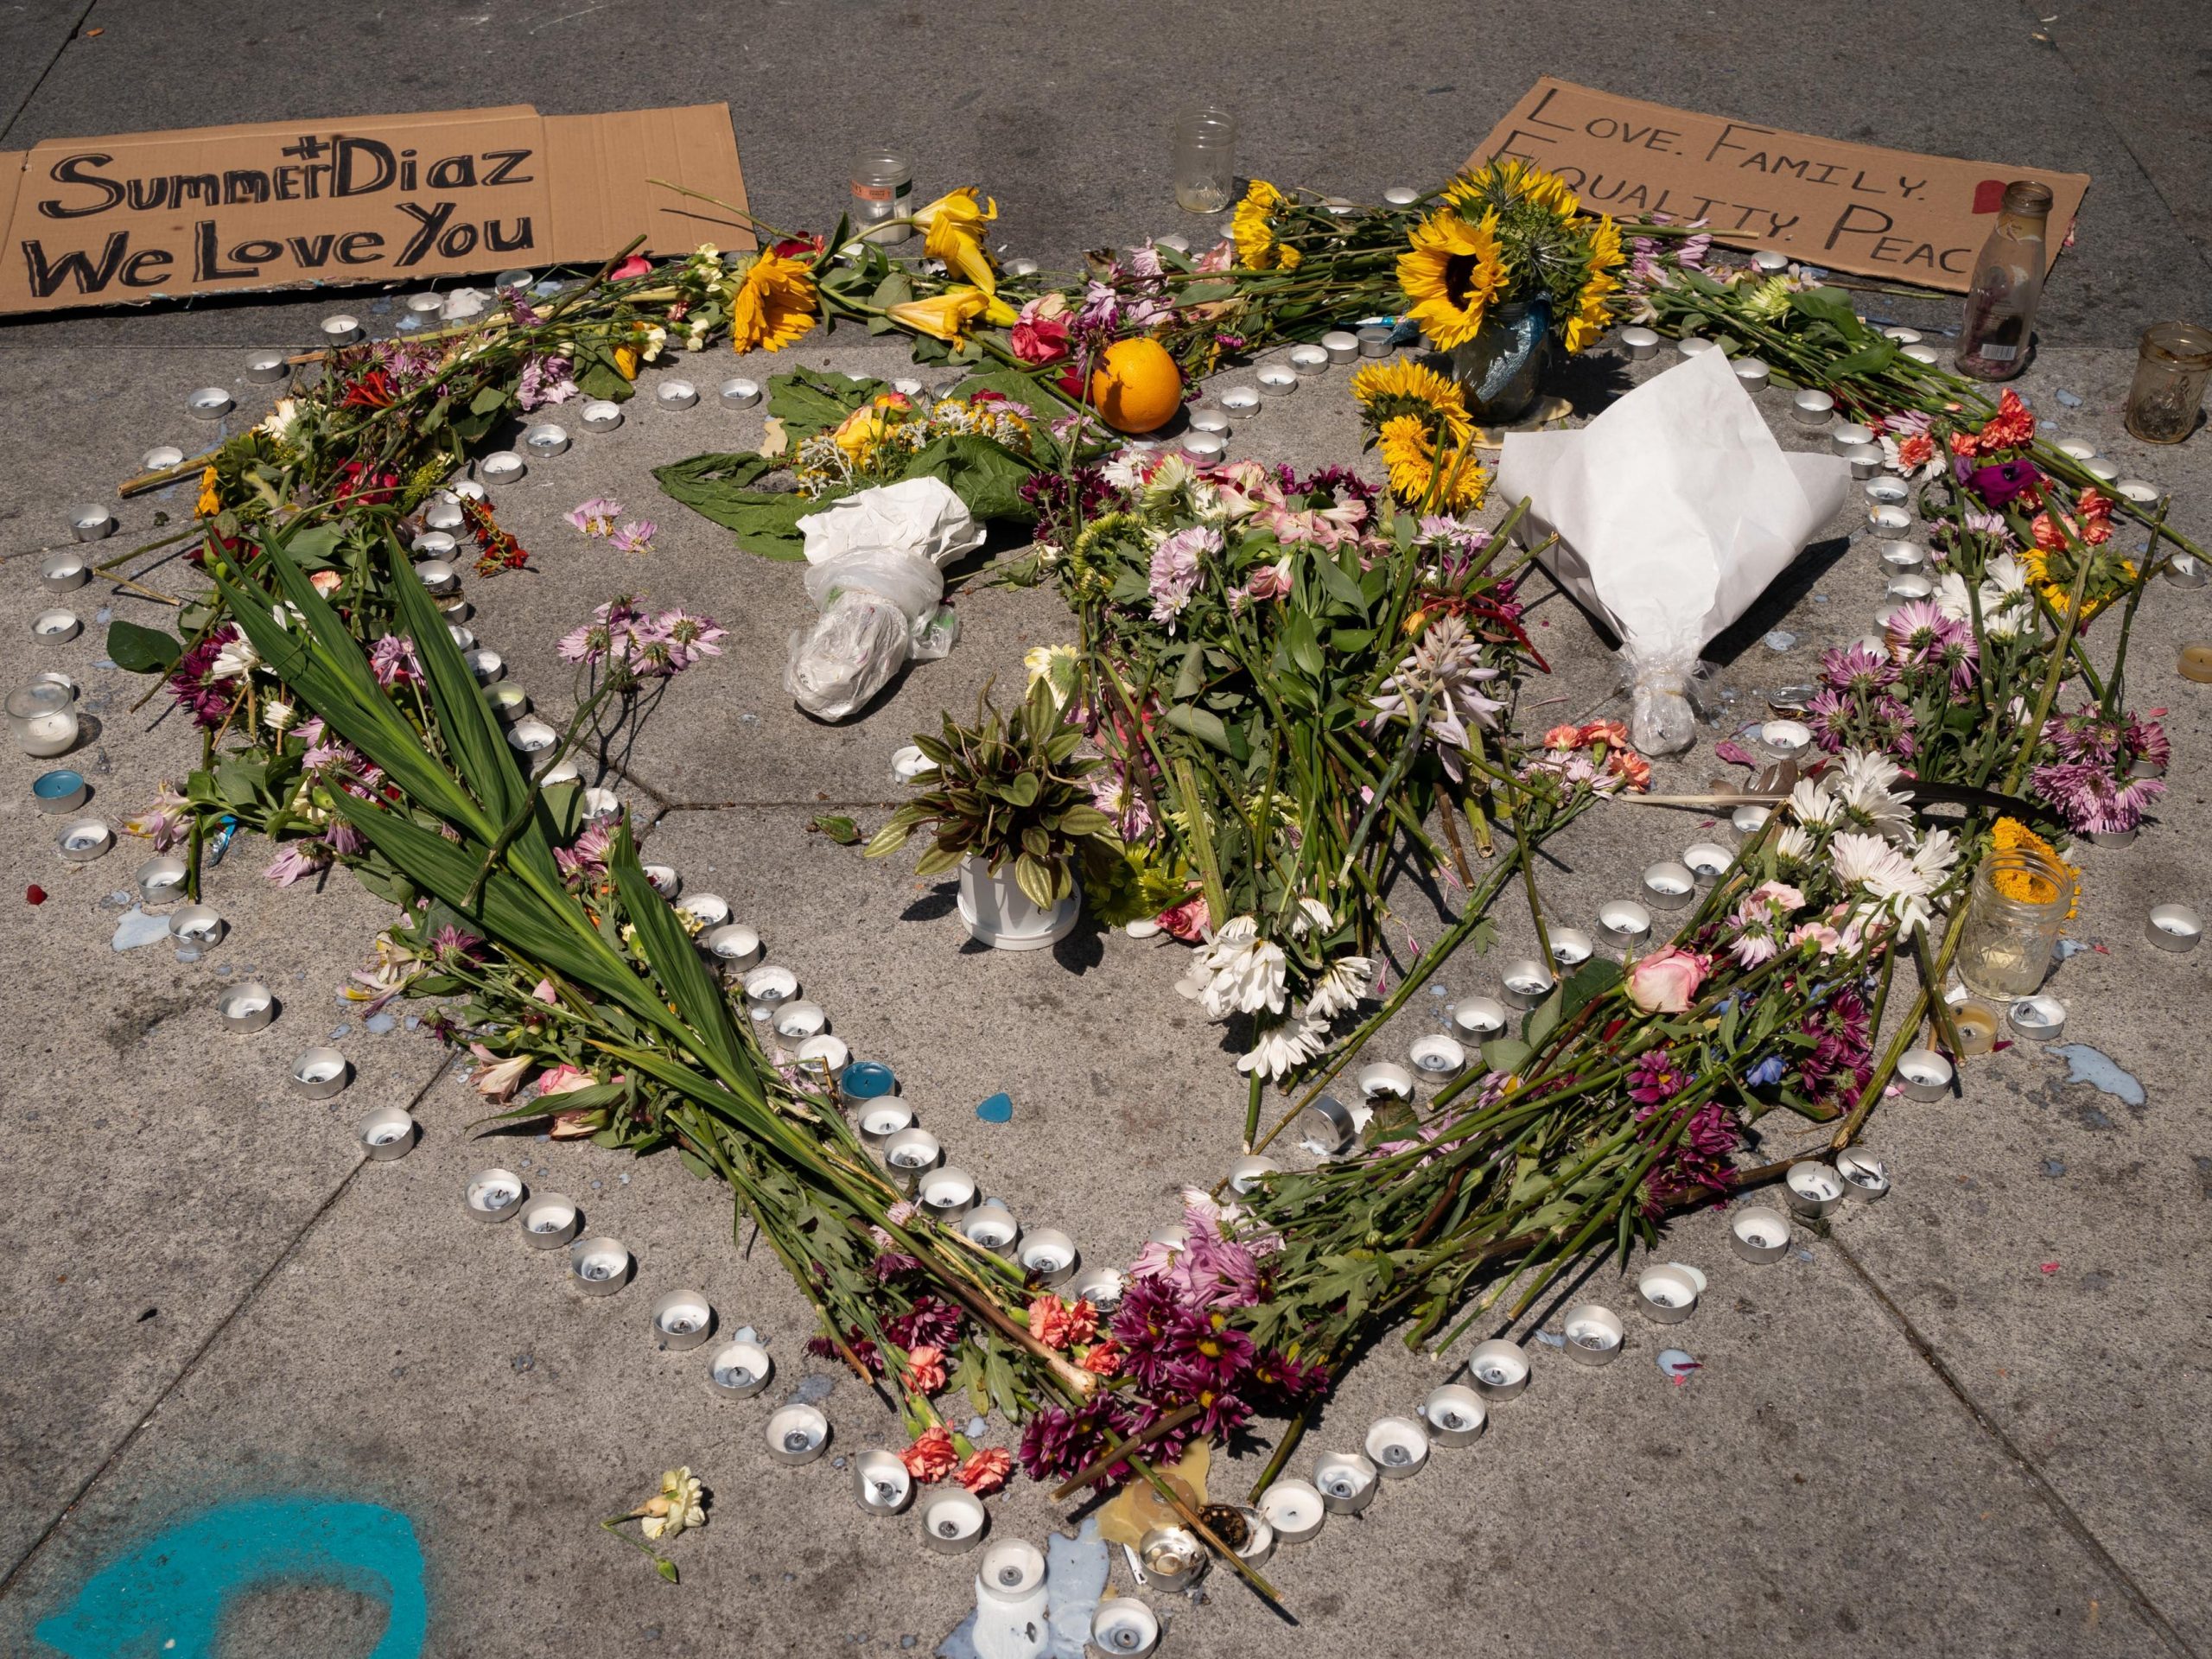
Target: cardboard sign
1883, 212
391, 198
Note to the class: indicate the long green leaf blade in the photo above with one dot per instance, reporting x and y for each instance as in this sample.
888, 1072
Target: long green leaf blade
675, 959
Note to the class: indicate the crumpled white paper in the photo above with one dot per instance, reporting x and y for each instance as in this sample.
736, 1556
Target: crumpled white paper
876, 570
1674, 509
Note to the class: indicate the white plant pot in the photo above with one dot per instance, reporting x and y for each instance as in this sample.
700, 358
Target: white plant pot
999, 913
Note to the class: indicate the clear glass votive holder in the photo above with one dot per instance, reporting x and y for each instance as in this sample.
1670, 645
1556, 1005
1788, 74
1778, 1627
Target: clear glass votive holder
1205, 158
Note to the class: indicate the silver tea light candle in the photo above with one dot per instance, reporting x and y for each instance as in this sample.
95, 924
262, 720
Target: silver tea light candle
907, 1154
501, 467
1210, 419
1100, 1286
1436, 1060
1293, 1508
246, 1008
1694, 345
208, 403
600, 415
2174, 927
1327, 1125
1454, 1414
1706, 861
56, 627
1205, 446
1246, 1174
1812, 407
675, 394
2037, 1018
598, 1266
161, 880
739, 393
1759, 1234
770, 986
162, 457
340, 330
946, 1193
1397, 1446
60, 792
1047, 1255
797, 1433
797, 1020
952, 1521
1385, 1081
1750, 372
1886, 491
1341, 346
267, 367
200, 924
1571, 948
543, 439
493, 1196
91, 522
1904, 556
1669, 885
1623, 924
1497, 1369
1666, 1294
681, 1320
387, 1134
84, 840
1888, 522
1276, 380
1479, 1018
1813, 1188
1865, 1177
1122, 1625
881, 1120
1921, 354
1308, 360
1374, 340
1011, 1570
1639, 342
319, 1072
1924, 1074
1748, 821
990, 1226
484, 663
881, 1484
1594, 1334
708, 910
739, 1371
1866, 459
549, 1221
1346, 1481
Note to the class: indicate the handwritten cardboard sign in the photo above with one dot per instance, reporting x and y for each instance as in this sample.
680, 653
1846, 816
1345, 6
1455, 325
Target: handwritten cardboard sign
1883, 212
388, 198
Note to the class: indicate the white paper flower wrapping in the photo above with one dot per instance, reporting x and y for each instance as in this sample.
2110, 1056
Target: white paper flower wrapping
1674, 509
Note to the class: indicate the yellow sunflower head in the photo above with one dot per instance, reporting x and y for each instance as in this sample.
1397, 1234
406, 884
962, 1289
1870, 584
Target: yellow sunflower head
1452, 275
1253, 228
1403, 386
1502, 185
1428, 470
773, 306
1594, 314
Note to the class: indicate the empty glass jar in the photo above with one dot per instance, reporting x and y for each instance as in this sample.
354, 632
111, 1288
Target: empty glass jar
1205, 159
2019, 901
883, 195
2172, 365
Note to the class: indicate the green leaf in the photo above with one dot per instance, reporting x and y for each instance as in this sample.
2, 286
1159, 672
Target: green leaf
1197, 722
138, 650
1079, 822
1020, 789
843, 831
721, 487
1504, 1055
489, 401
1867, 359
807, 401
1542, 1020
983, 473
1828, 305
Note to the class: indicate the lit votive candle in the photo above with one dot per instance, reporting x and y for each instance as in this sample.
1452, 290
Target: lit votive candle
1594, 1334
1625, 923
1397, 1446
1454, 1414
681, 1319
739, 1369
492, 1195
675, 394
1669, 886
598, 1266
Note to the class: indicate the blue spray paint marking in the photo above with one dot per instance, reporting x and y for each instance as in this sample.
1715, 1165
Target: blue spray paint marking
166, 1596
2100, 1071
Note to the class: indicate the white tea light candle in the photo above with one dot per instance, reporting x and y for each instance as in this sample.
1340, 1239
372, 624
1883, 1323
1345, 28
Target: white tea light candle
246, 1008
947, 1193
319, 1072
598, 1266
1210, 419
1669, 885
1666, 1294
1454, 1414
1759, 1234
677, 394
1865, 1177
1385, 1081
1293, 1508
1750, 372
1436, 1060
600, 415
1623, 924
1123, 1626
1048, 1255
1748, 821
544, 438
1639, 342
91, 522
1277, 379
1706, 861
341, 328
881, 1483
1571, 948
493, 1196
1498, 1369
1594, 1334
739, 1369
1904, 556
1526, 982
1397, 1446
708, 910
2174, 927
952, 1521
549, 1221
387, 1134
1346, 1480
739, 393
882, 1119
56, 627
83, 839
1924, 1074
1888, 522
1813, 1188
2038, 1019
1479, 1018
991, 1227
1812, 407
1308, 360
1247, 1171
161, 880
197, 925
208, 403
797, 1434
681, 1320
501, 467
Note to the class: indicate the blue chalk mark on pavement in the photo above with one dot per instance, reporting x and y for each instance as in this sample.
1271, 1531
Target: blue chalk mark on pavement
2100, 1071
166, 1596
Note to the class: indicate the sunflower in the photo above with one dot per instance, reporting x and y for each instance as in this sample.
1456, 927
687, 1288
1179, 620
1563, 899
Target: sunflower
773, 306
1452, 275
1504, 184
1428, 470
1405, 387
1259, 244
1594, 314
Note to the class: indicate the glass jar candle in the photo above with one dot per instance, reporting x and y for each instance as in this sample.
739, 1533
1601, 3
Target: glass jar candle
2019, 901
43, 716
2172, 363
1205, 159
883, 192
2007, 286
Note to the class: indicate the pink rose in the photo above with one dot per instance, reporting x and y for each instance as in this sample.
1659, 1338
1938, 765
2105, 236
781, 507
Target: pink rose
1186, 921
1666, 981
1041, 331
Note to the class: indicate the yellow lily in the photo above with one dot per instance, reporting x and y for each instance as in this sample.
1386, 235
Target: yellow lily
952, 228
946, 316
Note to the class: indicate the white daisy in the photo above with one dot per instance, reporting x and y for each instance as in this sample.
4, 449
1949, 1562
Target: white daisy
1341, 988
1236, 972
1284, 1047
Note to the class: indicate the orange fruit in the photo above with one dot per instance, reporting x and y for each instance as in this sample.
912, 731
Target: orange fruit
1136, 387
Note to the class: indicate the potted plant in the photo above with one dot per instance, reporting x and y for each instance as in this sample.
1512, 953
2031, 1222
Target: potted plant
1009, 809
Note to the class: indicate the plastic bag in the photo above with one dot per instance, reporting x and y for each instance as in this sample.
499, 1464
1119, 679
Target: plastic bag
874, 572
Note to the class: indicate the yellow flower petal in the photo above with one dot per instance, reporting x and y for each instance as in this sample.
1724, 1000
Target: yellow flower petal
944, 316
1452, 275
774, 305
